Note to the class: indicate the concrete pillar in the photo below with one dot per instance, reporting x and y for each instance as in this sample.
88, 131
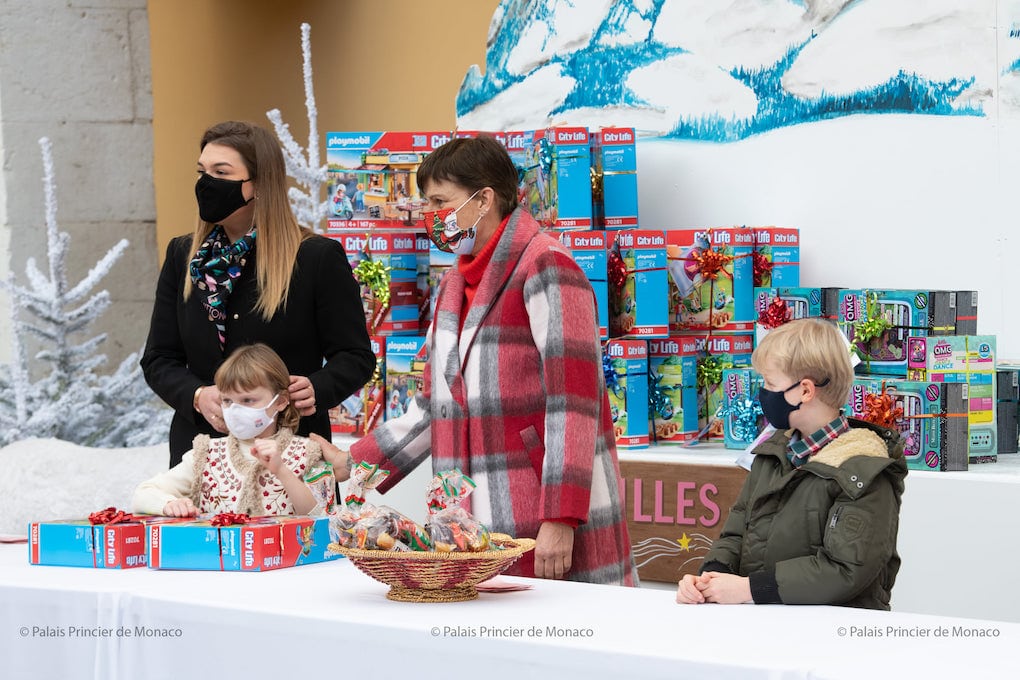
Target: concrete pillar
78, 72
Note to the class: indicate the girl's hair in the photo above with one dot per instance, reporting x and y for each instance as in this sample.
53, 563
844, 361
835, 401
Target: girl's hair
279, 235
809, 348
253, 366
473, 163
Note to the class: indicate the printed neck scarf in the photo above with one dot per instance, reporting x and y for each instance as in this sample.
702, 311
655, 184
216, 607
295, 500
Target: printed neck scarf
213, 270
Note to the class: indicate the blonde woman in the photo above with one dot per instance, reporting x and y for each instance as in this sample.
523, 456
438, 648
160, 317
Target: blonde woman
249, 273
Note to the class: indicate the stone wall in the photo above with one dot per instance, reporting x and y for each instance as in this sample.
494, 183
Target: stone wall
78, 72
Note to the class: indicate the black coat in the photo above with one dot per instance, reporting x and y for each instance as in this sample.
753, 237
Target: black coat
320, 334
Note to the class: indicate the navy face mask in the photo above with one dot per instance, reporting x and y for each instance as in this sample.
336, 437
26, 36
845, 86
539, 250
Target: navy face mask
775, 407
218, 198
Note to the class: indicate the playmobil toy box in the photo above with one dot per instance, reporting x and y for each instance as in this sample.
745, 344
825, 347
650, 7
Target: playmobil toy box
588, 249
422, 247
261, 544
966, 359
79, 543
557, 178
673, 389
930, 416
711, 274
716, 352
359, 413
742, 416
776, 257
614, 160
405, 372
878, 322
385, 263
372, 178
440, 262
627, 385
638, 288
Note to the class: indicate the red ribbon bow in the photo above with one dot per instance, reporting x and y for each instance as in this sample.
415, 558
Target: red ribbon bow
761, 266
111, 515
775, 314
228, 518
878, 409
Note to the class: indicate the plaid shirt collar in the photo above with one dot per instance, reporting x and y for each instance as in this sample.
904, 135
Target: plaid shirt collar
800, 449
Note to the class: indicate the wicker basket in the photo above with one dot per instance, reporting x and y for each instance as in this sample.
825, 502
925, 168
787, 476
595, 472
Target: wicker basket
436, 576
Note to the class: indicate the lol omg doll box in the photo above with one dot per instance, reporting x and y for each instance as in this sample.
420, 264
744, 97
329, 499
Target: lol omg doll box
932, 419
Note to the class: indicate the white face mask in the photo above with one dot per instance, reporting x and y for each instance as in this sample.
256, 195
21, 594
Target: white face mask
245, 422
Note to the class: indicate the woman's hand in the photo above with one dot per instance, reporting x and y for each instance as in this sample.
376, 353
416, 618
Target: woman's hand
554, 548
302, 394
180, 507
210, 407
339, 458
267, 453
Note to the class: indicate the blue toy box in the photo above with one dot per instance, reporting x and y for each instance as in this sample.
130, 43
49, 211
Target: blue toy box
627, 384
588, 249
614, 159
558, 178
638, 307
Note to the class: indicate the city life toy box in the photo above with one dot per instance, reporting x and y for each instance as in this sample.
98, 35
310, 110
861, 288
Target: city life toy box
79, 543
966, 359
627, 385
373, 180
265, 543
614, 162
557, 178
398, 253
588, 248
405, 372
776, 257
673, 389
716, 353
359, 413
711, 279
930, 416
638, 288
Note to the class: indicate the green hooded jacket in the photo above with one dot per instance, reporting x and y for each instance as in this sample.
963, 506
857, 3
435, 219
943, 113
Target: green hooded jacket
824, 533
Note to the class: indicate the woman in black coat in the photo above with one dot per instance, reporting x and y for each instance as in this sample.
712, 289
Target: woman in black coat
249, 273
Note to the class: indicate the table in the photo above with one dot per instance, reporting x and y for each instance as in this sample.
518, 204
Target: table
328, 619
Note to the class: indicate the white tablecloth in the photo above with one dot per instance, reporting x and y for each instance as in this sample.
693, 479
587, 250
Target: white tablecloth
330, 619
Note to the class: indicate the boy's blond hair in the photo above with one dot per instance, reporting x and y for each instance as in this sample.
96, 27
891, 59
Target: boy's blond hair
257, 365
809, 348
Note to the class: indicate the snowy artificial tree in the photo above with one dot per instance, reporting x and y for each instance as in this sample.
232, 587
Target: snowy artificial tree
72, 402
306, 171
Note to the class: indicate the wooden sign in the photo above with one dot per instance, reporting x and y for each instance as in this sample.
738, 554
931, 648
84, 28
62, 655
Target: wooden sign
675, 511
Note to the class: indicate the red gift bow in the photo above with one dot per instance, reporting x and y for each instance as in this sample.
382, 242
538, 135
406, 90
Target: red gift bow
112, 515
878, 409
775, 314
228, 518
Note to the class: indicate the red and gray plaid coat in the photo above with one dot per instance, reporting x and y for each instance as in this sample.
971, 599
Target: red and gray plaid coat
517, 401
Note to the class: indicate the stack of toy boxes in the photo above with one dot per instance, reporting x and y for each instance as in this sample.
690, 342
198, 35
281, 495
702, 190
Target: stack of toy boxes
373, 181
711, 273
932, 419
777, 255
802, 303
742, 417
673, 389
1007, 401
627, 384
614, 161
637, 308
588, 248
558, 178
398, 252
359, 413
79, 543
268, 542
405, 372
966, 359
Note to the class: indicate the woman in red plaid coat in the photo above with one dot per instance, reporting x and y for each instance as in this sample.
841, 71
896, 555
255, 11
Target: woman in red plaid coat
514, 392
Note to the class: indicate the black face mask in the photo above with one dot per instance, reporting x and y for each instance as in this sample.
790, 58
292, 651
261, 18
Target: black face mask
219, 198
775, 407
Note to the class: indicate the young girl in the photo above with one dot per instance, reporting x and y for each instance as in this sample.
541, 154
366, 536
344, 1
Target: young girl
261, 467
